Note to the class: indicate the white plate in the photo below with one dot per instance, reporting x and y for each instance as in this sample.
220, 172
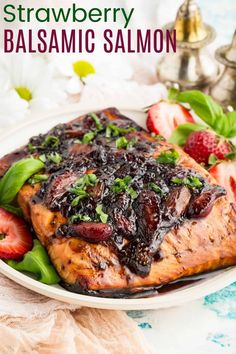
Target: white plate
19, 136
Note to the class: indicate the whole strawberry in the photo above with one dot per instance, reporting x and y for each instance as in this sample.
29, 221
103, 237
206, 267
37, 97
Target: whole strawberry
201, 144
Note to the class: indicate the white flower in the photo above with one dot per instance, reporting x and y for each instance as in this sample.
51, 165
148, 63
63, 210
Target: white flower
12, 108
101, 65
32, 79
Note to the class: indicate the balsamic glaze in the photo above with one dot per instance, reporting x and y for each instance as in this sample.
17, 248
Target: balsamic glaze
136, 226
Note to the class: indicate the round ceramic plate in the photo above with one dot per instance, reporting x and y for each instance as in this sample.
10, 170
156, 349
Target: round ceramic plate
212, 282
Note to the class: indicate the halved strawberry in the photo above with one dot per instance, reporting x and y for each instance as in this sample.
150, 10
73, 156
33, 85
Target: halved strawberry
15, 238
225, 175
163, 117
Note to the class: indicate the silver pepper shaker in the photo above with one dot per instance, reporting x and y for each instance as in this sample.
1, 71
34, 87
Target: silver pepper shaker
191, 66
224, 89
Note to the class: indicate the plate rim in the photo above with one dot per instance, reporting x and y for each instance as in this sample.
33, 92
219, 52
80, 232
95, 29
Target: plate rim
175, 298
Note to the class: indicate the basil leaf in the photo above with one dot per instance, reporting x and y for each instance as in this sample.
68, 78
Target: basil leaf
203, 105
103, 217
231, 116
16, 177
181, 133
12, 209
37, 262
210, 112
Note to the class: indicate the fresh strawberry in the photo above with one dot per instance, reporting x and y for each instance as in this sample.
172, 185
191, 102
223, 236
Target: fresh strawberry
201, 144
225, 175
15, 239
163, 117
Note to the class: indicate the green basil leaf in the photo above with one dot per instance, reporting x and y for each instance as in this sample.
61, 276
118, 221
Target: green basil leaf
16, 177
12, 209
203, 105
181, 133
37, 262
231, 116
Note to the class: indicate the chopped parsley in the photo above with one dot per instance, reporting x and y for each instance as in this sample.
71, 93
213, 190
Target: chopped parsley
80, 187
103, 217
155, 188
168, 157
79, 217
191, 181
114, 130
51, 140
123, 185
99, 125
80, 195
37, 178
55, 158
123, 143
158, 137
88, 137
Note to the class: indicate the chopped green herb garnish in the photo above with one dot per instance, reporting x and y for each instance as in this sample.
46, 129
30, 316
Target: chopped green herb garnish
99, 126
168, 157
191, 181
123, 143
55, 158
51, 140
79, 217
37, 179
80, 195
88, 137
77, 141
113, 130
155, 188
80, 187
103, 217
123, 185
158, 137
89, 179
31, 148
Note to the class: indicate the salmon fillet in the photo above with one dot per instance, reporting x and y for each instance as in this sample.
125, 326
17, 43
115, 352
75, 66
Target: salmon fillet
164, 222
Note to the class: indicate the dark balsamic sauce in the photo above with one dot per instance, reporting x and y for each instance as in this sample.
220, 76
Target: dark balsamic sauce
138, 224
